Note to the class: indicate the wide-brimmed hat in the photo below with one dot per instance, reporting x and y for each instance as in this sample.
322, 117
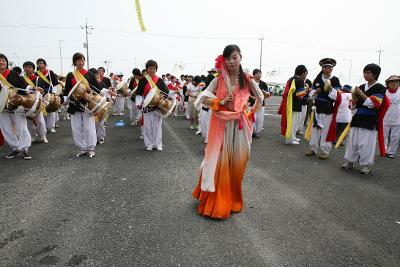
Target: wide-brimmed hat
392, 78
327, 62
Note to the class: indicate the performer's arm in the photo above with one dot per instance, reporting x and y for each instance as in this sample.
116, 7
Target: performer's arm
258, 94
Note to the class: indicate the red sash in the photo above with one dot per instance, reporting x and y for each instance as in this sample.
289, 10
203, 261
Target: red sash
282, 108
1, 139
147, 87
5, 74
82, 71
331, 136
381, 115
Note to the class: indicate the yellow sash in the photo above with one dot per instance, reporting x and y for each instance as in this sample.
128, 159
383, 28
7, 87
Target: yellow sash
151, 82
4, 81
44, 78
343, 135
289, 111
29, 81
79, 77
309, 126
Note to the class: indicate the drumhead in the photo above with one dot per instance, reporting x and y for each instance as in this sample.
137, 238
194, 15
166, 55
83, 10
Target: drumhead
3, 97
73, 89
58, 89
34, 110
98, 105
169, 112
149, 97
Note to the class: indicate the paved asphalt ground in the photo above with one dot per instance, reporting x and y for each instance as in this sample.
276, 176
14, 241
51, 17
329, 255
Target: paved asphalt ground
128, 207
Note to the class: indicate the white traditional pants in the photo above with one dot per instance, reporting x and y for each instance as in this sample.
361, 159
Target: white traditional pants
318, 136
134, 113
50, 120
152, 129
205, 118
303, 117
15, 130
100, 130
392, 138
119, 104
259, 120
360, 146
84, 130
296, 118
37, 127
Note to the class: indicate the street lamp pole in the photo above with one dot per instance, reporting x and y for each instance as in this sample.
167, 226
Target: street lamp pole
61, 63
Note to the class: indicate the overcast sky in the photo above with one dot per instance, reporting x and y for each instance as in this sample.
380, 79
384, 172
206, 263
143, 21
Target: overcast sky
186, 36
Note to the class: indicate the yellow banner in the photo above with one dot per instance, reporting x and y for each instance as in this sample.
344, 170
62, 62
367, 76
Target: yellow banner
139, 16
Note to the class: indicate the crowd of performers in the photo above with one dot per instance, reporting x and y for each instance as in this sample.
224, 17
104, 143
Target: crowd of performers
361, 114
226, 107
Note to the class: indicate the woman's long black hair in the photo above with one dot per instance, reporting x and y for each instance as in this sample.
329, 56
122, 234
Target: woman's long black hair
228, 50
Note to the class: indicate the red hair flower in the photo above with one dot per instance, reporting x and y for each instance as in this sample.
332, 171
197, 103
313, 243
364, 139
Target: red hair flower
218, 62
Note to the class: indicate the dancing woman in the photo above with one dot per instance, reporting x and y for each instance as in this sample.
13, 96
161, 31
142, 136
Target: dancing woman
220, 185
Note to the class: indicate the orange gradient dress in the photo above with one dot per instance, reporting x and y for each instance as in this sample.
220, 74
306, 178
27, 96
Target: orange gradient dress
229, 138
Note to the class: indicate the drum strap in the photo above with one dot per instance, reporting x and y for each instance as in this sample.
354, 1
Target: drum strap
5, 82
44, 78
79, 76
29, 81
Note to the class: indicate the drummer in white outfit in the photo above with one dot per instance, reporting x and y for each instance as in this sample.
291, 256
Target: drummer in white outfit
13, 122
36, 125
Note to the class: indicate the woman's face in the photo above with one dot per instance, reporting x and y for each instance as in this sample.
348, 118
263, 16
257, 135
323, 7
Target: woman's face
392, 84
151, 71
101, 72
79, 63
3, 64
233, 61
41, 65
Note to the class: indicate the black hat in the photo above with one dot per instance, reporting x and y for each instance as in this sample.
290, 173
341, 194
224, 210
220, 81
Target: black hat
327, 62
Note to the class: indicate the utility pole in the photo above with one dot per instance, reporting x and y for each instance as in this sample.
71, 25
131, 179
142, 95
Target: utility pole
86, 44
261, 48
59, 46
380, 52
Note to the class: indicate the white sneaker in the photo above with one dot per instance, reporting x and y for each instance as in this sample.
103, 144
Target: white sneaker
82, 153
101, 141
365, 169
297, 139
294, 142
44, 141
159, 148
198, 132
141, 137
53, 130
191, 127
91, 154
149, 148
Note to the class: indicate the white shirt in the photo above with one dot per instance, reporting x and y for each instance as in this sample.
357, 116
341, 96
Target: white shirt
392, 116
193, 90
344, 111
